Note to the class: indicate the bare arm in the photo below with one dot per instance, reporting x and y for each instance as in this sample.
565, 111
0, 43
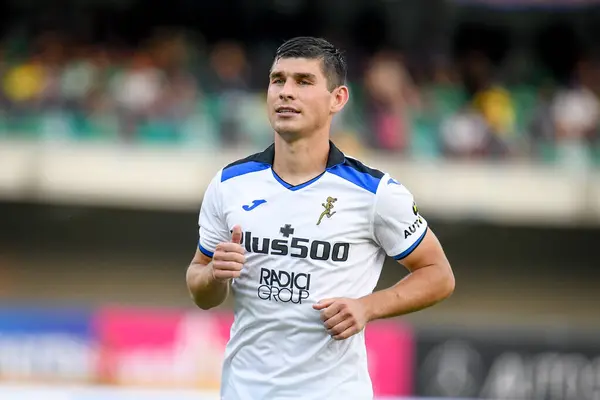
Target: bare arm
430, 281
396, 219
208, 279
206, 291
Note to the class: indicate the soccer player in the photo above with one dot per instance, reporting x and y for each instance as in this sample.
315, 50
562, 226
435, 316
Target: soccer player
299, 233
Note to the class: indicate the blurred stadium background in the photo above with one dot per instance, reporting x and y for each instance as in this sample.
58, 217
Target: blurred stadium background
115, 114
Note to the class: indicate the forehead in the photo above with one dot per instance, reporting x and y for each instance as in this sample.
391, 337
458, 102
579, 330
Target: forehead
292, 66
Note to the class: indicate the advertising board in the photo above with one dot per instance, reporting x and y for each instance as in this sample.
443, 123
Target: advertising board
173, 349
47, 345
508, 364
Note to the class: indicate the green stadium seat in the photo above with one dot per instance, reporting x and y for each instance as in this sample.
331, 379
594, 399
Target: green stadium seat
158, 132
200, 129
95, 128
424, 141
524, 100
447, 99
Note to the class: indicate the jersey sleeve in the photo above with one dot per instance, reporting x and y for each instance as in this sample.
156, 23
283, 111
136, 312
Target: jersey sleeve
397, 225
211, 222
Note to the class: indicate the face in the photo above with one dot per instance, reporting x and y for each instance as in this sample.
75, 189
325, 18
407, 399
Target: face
299, 101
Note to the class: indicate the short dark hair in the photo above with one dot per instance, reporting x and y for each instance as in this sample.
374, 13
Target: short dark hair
333, 61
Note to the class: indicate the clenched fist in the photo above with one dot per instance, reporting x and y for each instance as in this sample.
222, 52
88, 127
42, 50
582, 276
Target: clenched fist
229, 258
342, 317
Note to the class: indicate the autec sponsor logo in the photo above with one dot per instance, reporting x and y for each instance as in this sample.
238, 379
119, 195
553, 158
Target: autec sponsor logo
414, 227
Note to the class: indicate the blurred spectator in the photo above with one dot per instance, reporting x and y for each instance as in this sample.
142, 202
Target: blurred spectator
576, 113
136, 90
25, 82
465, 134
228, 61
167, 90
52, 54
180, 92
79, 77
229, 64
492, 101
138, 87
390, 94
495, 105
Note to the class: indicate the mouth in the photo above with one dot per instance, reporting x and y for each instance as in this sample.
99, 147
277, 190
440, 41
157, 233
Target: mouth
286, 110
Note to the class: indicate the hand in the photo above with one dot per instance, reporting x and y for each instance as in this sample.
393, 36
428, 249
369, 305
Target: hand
229, 258
342, 317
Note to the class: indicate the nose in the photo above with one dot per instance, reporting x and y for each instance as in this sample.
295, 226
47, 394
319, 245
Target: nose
287, 91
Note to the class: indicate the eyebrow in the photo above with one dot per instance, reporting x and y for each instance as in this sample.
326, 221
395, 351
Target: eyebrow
296, 75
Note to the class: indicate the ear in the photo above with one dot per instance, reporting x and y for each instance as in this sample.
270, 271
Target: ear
339, 98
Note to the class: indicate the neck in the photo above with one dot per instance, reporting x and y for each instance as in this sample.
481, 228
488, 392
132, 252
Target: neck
300, 160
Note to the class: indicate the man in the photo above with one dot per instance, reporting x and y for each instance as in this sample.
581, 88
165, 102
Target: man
299, 234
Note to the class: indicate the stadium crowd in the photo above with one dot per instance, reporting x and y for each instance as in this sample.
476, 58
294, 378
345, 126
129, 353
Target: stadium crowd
172, 91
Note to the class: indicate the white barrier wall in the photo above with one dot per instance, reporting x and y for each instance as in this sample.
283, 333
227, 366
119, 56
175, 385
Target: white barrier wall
176, 178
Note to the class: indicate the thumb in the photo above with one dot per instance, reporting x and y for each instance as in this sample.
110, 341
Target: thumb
236, 235
323, 304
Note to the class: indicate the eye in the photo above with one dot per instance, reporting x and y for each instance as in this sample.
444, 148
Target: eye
277, 81
304, 83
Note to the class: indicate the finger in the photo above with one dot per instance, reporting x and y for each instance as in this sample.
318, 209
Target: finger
230, 248
333, 321
331, 311
341, 327
323, 304
236, 236
229, 256
227, 265
222, 275
347, 333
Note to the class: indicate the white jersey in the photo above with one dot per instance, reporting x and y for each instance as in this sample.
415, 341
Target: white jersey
325, 238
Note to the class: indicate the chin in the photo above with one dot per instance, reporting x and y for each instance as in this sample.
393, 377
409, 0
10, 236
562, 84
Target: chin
286, 128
